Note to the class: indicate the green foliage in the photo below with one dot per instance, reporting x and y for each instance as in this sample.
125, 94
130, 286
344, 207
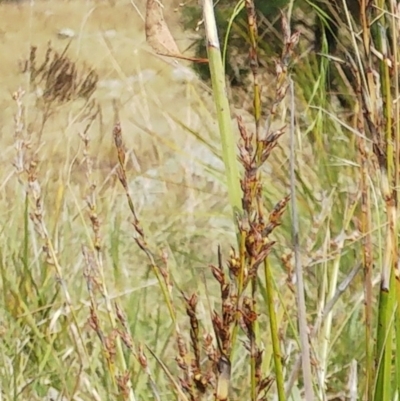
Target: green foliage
236, 68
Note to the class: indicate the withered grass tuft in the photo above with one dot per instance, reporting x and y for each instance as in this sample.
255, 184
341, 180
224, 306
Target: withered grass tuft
58, 77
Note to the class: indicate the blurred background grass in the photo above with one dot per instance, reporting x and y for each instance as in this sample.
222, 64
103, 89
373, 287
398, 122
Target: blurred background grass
177, 183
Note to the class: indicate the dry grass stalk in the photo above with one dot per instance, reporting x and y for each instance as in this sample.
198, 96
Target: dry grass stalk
27, 163
160, 269
237, 309
95, 281
197, 379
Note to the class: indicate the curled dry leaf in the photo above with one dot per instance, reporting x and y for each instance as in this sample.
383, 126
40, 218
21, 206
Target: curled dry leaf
158, 35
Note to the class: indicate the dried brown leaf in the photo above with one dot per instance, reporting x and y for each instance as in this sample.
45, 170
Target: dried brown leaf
159, 36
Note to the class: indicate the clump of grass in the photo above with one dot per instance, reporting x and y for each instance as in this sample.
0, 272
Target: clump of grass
305, 323
239, 310
58, 77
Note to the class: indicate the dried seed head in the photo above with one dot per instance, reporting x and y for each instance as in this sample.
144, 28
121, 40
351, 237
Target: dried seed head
123, 385
142, 358
164, 256
278, 210
234, 264
181, 362
120, 315
181, 346
218, 274
265, 384
280, 70
126, 339
110, 344
208, 340
93, 320
201, 382
294, 39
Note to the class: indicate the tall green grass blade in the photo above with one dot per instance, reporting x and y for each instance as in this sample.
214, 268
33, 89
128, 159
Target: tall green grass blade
236, 11
384, 346
277, 353
227, 136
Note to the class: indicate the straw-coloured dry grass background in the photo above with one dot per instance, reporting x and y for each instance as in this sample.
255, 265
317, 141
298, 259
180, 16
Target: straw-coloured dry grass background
157, 101
69, 255
175, 180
